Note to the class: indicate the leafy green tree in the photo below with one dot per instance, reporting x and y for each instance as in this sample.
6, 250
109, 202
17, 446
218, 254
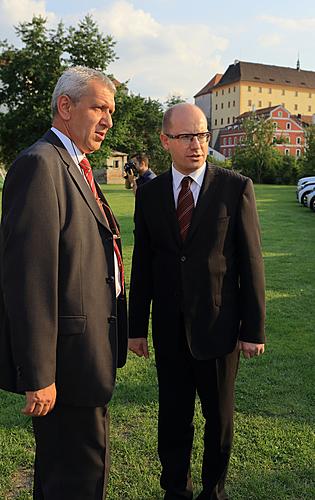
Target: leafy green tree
308, 162
28, 76
256, 157
174, 99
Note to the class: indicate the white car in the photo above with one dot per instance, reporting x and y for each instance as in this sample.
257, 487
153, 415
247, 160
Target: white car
310, 200
304, 191
302, 182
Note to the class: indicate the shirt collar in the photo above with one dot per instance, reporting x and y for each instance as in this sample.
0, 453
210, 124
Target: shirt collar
197, 176
72, 149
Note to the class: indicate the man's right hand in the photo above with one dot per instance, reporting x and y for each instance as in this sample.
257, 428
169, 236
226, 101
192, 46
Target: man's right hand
39, 403
139, 346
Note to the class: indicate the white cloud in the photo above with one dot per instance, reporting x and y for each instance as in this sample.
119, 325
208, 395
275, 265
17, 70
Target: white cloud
12, 12
271, 40
291, 24
161, 59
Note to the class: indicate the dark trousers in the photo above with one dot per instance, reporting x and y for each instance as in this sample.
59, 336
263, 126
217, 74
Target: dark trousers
72, 454
180, 377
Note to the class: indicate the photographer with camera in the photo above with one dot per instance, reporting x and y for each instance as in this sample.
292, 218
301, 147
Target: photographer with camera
137, 171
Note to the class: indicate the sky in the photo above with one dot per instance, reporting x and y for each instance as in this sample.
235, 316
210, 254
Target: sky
174, 47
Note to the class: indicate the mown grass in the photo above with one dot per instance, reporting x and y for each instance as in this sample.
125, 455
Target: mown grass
273, 455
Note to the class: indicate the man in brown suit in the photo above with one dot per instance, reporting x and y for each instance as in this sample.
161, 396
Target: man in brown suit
63, 308
197, 258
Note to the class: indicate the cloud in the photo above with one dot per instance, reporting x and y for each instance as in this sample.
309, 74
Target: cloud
159, 59
271, 40
12, 12
291, 24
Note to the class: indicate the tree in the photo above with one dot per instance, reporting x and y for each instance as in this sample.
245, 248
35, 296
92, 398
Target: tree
308, 162
256, 157
174, 99
28, 76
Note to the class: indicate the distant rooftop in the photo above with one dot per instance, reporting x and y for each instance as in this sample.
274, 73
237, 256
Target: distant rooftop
264, 73
207, 88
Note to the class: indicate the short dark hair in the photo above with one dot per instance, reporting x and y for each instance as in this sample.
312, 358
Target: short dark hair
141, 157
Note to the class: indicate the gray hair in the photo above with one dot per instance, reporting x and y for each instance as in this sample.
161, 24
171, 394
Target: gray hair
73, 83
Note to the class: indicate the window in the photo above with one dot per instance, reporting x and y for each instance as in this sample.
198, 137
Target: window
234, 104
249, 102
279, 113
235, 140
310, 95
116, 164
295, 107
269, 104
221, 121
298, 140
259, 104
224, 141
228, 120
216, 93
229, 90
233, 119
222, 105
283, 92
230, 140
288, 126
216, 106
260, 90
230, 152
309, 108
222, 91
296, 93
234, 89
229, 104
270, 91
216, 122
298, 153
275, 125
286, 152
249, 88
283, 104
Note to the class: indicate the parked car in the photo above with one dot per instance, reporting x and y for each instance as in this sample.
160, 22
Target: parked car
304, 191
310, 200
302, 182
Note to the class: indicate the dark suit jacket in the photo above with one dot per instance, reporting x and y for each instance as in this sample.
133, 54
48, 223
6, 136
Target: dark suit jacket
60, 320
215, 280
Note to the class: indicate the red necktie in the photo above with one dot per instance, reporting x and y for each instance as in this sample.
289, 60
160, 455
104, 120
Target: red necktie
87, 170
185, 207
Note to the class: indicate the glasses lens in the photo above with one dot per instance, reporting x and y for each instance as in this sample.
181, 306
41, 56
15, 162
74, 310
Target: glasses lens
203, 137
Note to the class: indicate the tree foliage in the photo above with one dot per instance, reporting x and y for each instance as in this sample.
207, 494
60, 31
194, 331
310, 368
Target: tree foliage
308, 162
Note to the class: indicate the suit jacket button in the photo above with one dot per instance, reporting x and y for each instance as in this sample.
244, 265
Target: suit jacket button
183, 258
111, 319
110, 280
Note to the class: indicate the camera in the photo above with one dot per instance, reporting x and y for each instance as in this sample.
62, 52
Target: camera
130, 168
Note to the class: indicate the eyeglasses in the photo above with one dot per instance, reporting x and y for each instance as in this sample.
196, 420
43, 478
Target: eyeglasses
187, 138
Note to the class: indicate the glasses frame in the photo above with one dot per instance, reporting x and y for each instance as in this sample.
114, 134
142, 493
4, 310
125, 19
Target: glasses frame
181, 136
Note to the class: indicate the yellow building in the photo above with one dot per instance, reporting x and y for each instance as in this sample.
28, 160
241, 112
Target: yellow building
249, 86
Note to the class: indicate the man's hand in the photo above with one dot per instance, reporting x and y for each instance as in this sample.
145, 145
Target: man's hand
139, 346
250, 350
41, 402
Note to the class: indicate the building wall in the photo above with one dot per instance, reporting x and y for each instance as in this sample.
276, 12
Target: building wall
204, 103
225, 107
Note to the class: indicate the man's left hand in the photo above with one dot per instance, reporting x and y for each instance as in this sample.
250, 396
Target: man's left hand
250, 350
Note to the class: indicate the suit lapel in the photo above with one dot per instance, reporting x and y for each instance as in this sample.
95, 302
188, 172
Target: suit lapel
77, 177
169, 206
205, 198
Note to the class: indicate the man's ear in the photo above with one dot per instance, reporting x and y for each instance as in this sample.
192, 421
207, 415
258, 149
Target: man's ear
64, 105
164, 141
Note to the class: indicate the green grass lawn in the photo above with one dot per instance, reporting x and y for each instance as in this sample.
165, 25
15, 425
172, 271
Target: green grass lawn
273, 455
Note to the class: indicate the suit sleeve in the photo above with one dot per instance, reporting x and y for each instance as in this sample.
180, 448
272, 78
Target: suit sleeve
251, 269
140, 295
30, 232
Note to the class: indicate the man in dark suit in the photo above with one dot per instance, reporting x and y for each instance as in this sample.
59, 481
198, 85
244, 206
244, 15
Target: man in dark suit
63, 309
197, 258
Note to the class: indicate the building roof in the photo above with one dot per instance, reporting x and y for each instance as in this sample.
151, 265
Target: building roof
207, 88
265, 73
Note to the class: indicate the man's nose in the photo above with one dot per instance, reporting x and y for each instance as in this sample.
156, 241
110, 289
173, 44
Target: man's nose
194, 142
107, 120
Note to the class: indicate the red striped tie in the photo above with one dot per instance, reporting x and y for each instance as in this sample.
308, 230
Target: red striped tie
185, 207
87, 170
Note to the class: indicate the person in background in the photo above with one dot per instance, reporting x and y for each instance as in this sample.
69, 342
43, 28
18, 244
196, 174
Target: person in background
141, 165
63, 306
197, 258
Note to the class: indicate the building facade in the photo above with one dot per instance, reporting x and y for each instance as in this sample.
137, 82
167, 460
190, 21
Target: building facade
288, 137
249, 86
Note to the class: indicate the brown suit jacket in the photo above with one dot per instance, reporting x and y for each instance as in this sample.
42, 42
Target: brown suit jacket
214, 281
60, 320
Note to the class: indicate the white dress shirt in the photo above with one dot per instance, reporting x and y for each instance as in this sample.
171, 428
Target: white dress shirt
197, 180
77, 156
